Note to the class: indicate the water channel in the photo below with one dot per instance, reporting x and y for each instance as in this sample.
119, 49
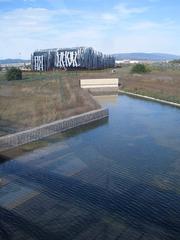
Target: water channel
115, 179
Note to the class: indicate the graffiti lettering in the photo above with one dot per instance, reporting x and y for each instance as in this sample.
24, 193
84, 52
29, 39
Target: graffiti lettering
85, 58
66, 59
38, 62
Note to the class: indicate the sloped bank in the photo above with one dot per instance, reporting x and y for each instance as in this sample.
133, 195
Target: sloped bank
37, 133
150, 98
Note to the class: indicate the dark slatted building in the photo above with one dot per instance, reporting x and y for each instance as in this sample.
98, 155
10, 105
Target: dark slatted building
65, 58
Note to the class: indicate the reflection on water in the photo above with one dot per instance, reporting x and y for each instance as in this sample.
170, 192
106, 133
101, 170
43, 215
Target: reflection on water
104, 99
118, 180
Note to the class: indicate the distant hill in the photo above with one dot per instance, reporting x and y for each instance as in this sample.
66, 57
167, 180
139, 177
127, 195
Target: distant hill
146, 56
119, 56
13, 61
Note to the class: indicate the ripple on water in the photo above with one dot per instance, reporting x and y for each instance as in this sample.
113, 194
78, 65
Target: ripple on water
115, 181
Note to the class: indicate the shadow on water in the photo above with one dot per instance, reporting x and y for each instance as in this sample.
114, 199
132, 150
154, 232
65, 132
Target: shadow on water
136, 207
79, 130
15, 221
110, 181
21, 150
4, 158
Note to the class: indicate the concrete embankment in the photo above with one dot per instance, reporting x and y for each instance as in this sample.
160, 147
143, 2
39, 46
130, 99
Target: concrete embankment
103, 86
150, 98
34, 134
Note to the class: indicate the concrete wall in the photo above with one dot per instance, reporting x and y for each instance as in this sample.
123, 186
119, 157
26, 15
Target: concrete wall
99, 83
17, 139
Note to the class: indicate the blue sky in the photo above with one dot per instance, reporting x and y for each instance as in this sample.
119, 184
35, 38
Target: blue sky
110, 26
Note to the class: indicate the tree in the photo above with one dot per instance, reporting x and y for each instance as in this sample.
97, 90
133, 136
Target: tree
13, 74
140, 68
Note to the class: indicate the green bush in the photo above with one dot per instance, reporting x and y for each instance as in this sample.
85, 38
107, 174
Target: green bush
140, 68
13, 74
176, 61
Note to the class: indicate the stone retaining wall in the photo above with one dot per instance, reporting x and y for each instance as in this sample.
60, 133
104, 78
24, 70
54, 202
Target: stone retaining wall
34, 134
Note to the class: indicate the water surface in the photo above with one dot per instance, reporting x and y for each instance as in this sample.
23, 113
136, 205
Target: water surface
116, 179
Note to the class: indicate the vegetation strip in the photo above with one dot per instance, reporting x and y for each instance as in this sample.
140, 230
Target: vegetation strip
34, 134
150, 98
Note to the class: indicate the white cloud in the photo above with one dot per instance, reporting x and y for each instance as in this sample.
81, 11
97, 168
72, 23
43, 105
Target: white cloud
24, 30
109, 17
133, 42
164, 25
126, 11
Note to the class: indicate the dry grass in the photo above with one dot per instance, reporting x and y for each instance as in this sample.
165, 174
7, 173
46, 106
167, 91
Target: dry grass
44, 97
26, 104
164, 85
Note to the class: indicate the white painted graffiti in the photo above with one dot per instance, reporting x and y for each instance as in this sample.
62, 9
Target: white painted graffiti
38, 63
67, 59
64, 58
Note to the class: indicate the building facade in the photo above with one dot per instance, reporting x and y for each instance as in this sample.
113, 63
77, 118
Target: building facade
69, 58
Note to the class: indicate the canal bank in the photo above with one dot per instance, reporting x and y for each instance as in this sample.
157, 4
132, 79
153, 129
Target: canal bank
34, 134
149, 98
